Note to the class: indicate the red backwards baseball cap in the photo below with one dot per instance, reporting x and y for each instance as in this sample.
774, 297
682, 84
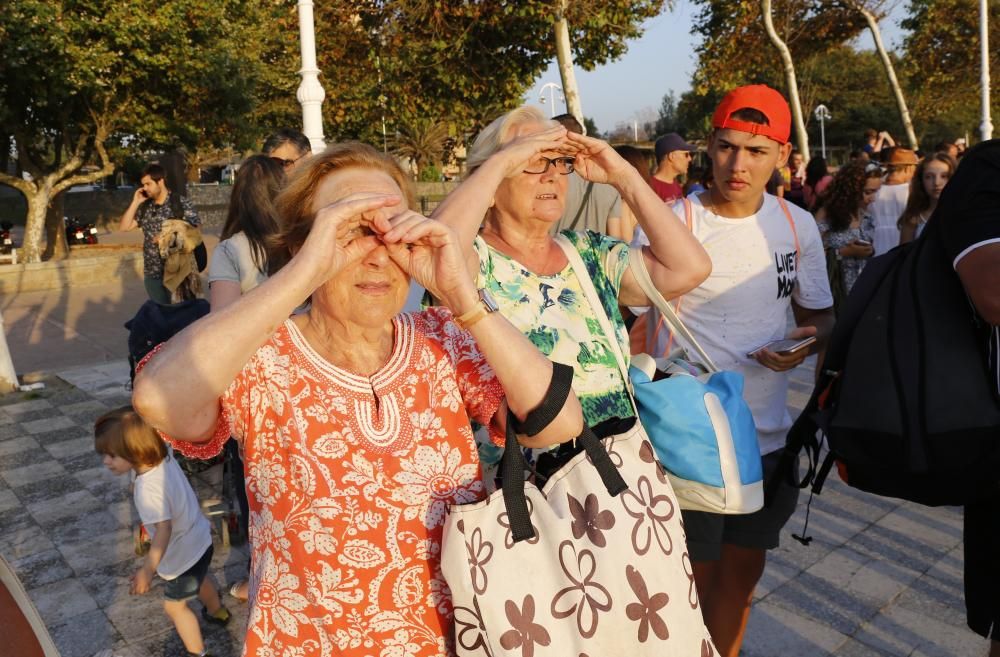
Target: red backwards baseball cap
765, 100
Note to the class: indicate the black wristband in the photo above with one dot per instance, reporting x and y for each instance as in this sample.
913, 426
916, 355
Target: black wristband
551, 404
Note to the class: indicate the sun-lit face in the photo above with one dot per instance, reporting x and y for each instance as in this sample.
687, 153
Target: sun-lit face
935, 177
527, 196
116, 464
872, 185
797, 161
374, 290
742, 164
151, 188
680, 160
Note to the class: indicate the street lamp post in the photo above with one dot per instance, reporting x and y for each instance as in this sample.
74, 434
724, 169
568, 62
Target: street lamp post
986, 127
310, 93
553, 89
822, 115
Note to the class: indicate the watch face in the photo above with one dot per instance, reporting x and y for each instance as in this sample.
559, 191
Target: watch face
488, 301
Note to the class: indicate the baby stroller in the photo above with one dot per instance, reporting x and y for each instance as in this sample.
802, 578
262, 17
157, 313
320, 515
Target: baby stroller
152, 325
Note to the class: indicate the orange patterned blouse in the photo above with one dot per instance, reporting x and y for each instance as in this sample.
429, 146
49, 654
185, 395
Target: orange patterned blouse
349, 479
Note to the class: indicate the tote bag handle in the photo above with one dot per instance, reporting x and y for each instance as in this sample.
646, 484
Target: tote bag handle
513, 465
637, 263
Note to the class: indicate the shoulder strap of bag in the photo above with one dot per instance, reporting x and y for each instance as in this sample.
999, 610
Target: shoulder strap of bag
651, 338
638, 265
795, 234
576, 262
513, 465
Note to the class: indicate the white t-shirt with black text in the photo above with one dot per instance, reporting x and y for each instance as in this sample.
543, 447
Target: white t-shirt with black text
163, 493
744, 302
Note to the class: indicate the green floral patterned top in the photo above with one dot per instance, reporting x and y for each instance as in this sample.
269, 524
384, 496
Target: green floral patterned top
552, 311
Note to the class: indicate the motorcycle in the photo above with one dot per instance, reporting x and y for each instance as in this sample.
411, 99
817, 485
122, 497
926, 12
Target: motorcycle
6, 241
79, 232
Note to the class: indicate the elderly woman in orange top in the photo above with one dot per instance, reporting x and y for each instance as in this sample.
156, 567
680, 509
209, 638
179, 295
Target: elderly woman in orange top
354, 419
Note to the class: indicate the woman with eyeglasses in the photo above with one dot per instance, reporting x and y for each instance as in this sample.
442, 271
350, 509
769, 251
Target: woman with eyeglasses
502, 214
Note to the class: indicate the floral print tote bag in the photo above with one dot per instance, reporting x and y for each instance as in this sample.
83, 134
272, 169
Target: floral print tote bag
594, 564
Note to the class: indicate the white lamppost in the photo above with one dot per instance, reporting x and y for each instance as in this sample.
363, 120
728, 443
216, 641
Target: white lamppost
822, 115
553, 90
310, 93
986, 127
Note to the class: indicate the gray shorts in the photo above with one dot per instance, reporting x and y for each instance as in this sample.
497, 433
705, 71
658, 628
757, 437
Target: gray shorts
706, 532
186, 585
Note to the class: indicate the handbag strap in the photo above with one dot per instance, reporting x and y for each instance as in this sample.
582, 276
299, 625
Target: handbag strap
587, 285
552, 403
513, 465
638, 265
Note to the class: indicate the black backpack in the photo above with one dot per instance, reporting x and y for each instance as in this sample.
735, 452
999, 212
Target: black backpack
156, 323
904, 399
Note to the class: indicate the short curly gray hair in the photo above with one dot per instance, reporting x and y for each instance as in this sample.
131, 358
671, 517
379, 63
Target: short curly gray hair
498, 133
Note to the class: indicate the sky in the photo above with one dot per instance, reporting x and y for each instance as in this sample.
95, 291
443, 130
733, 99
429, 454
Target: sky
662, 60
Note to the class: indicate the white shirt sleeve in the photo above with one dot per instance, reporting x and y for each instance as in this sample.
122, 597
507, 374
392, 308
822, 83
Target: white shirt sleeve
813, 288
151, 498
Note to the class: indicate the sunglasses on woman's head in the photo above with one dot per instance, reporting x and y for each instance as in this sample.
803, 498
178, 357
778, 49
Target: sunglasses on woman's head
563, 165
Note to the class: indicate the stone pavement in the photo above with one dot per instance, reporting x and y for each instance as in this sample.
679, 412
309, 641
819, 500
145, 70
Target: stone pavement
881, 578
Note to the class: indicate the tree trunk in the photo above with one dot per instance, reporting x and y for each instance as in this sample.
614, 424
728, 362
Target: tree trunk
38, 202
8, 376
793, 86
890, 72
564, 56
56, 247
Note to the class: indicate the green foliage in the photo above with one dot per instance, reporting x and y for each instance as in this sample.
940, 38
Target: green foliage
591, 127
430, 173
422, 141
941, 67
457, 62
668, 119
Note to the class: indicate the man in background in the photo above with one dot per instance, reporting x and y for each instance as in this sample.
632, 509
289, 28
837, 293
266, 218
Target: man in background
888, 205
673, 157
288, 147
152, 204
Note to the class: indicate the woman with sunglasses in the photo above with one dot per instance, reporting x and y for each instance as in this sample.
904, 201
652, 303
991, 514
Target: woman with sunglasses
502, 214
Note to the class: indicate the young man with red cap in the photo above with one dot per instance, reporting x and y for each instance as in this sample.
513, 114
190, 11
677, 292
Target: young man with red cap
767, 258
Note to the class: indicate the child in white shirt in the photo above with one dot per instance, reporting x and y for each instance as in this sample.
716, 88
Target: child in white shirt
181, 548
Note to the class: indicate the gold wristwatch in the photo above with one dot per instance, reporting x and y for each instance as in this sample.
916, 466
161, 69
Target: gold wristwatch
484, 307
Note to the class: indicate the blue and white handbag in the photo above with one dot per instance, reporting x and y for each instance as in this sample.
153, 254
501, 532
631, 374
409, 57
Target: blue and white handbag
694, 414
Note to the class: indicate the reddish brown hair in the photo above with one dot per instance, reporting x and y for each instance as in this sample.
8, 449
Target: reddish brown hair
295, 202
123, 433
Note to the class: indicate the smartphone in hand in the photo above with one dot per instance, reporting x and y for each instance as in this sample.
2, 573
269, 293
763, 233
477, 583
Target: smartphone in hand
862, 242
785, 347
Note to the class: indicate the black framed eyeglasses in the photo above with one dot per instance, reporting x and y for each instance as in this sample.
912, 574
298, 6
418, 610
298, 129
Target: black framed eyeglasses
563, 165
286, 163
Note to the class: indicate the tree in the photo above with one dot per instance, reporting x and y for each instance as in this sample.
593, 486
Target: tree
735, 48
941, 54
422, 141
76, 75
591, 127
668, 119
461, 63
871, 10
802, 137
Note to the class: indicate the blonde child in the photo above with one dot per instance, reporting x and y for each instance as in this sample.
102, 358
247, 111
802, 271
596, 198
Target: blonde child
181, 548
